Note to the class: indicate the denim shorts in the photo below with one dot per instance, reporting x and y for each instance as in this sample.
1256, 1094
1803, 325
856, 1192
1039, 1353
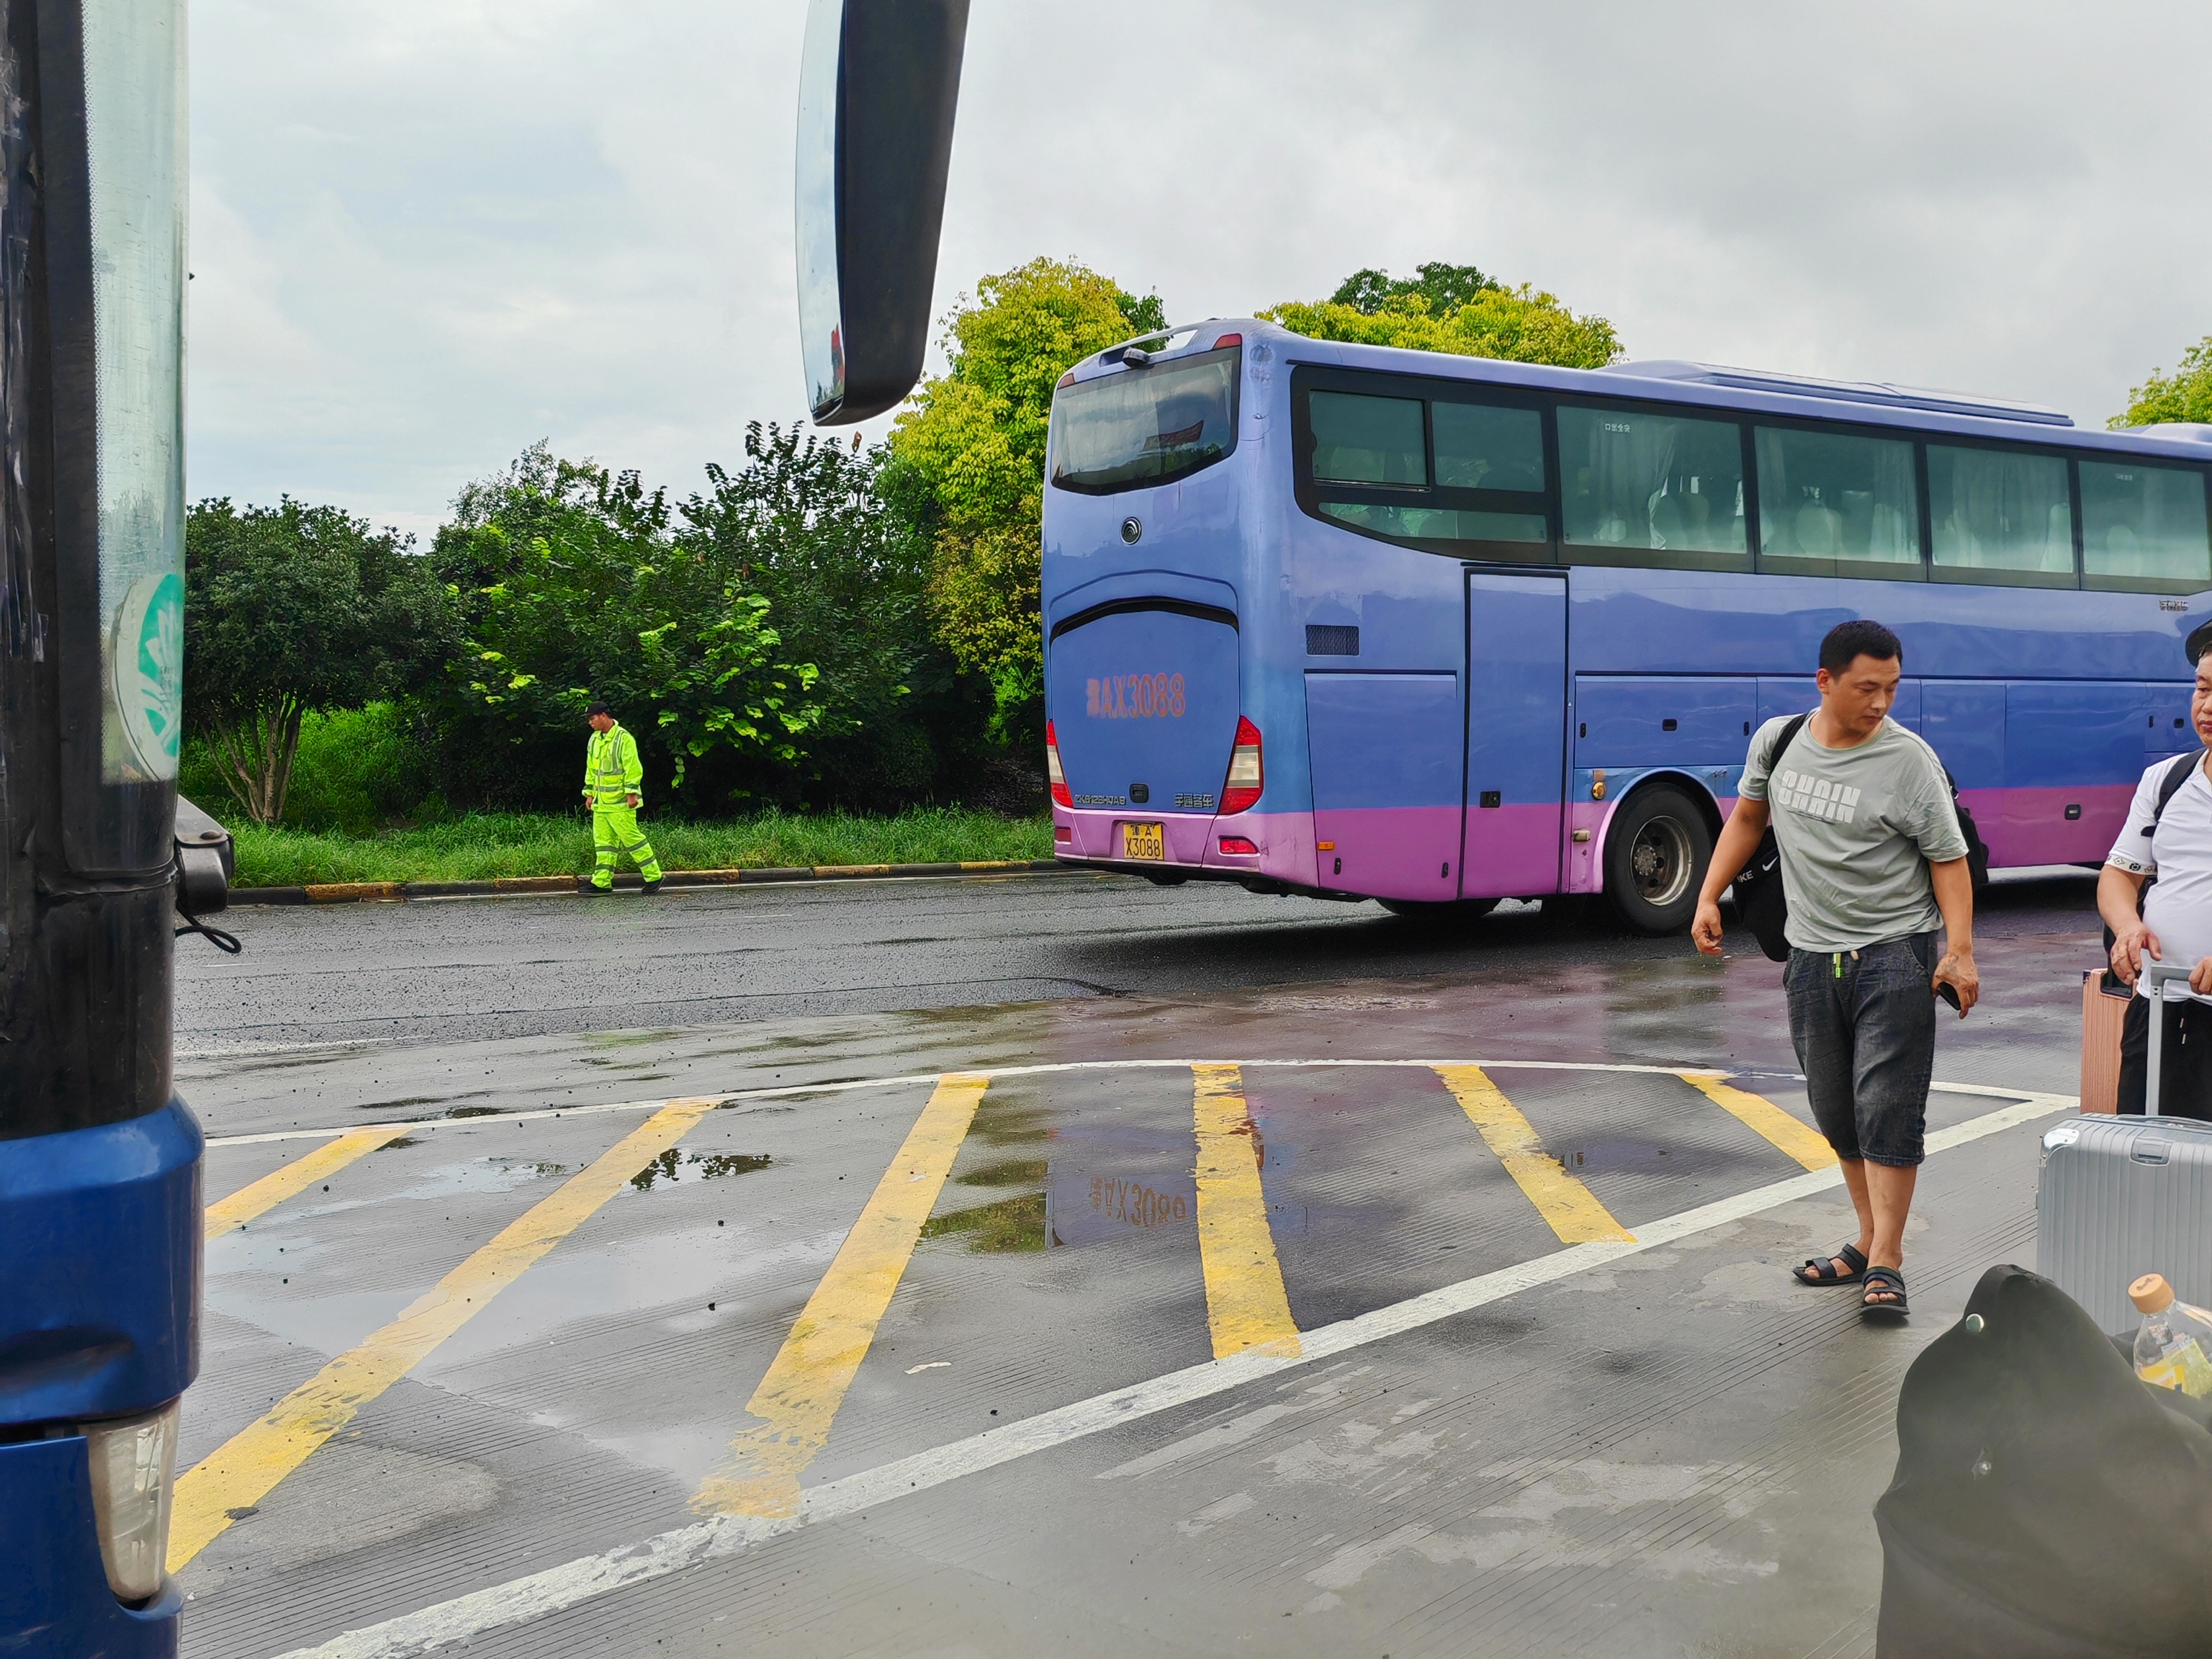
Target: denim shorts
1863, 1024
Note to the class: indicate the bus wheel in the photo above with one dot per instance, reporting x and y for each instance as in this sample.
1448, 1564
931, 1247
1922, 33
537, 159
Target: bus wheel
1655, 854
1439, 910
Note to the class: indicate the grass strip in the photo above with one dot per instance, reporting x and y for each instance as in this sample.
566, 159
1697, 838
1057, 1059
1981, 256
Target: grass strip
489, 846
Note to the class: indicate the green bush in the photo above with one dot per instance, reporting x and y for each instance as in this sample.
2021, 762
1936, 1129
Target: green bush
484, 847
358, 770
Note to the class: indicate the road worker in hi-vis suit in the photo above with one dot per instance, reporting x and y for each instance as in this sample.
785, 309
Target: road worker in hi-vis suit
611, 777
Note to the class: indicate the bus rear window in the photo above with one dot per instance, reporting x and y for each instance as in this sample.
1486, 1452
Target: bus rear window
1146, 426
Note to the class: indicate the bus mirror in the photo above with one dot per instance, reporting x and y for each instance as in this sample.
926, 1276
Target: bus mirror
878, 85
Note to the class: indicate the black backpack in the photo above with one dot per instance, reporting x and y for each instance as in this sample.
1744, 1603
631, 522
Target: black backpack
2169, 784
1764, 907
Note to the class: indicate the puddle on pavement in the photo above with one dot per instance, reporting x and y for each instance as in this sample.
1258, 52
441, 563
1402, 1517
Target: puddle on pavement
1011, 1172
1009, 1122
1613, 1155
674, 1165
394, 1146
1011, 1225
395, 1105
474, 1111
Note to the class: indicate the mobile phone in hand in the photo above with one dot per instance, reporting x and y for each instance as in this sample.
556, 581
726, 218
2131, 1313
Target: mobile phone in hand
1949, 993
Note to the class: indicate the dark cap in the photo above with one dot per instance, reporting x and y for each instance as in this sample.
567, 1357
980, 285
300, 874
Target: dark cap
594, 706
2199, 637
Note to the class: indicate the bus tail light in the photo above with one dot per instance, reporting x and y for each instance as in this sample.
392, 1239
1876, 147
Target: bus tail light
134, 1465
1242, 844
1058, 779
1245, 780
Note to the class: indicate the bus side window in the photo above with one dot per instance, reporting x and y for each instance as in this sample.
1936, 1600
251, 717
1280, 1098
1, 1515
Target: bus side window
2144, 525
1836, 502
2003, 511
1655, 489
1485, 446
1368, 441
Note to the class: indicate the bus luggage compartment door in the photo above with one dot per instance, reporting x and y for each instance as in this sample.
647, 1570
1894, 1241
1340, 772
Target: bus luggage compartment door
1144, 704
1385, 754
1516, 679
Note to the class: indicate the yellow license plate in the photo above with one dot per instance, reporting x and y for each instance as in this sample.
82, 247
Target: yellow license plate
1143, 841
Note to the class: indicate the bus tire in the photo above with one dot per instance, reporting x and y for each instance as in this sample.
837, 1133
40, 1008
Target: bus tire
1655, 854
1439, 910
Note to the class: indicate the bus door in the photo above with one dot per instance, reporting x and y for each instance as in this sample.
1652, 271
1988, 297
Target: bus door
1517, 711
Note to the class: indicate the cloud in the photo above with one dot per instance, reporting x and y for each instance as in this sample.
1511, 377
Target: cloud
427, 234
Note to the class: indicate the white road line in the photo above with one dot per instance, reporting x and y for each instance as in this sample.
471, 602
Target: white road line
930, 1078
539, 1594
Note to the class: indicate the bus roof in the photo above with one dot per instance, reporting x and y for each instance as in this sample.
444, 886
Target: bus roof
1851, 392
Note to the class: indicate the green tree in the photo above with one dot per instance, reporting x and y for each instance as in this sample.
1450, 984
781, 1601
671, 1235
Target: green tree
289, 609
1445, 287
2183, 395
571, 586
1456, 309
967, 464
804, 522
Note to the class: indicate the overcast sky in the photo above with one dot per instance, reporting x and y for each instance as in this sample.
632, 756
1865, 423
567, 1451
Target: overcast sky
427, 233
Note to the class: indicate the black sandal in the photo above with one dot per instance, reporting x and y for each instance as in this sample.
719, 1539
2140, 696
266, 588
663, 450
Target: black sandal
1817, 1269
1883, 1279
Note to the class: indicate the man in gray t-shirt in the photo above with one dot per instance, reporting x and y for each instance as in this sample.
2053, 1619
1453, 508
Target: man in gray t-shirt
1873, 860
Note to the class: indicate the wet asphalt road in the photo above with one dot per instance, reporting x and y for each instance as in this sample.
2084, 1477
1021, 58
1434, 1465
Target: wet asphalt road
467, 970
1674, 1453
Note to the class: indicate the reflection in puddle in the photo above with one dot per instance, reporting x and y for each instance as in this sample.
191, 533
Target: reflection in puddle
1093, 1209
702, 1166
1008, 1225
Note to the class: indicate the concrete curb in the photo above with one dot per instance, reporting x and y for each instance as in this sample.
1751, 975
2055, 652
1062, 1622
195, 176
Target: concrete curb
386, 892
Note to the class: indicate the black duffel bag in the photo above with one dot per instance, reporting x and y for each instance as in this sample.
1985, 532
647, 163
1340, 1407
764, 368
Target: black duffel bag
2047, 1504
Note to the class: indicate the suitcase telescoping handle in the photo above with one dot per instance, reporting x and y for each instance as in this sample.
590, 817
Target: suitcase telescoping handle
2156, 976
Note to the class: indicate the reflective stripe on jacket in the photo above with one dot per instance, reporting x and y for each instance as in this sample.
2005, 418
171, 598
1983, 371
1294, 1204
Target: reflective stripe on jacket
612, 769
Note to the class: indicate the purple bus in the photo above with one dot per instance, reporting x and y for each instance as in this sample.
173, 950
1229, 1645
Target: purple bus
1359, 622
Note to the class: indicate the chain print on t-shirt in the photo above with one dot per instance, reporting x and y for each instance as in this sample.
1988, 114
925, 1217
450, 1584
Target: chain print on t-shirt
1817, 798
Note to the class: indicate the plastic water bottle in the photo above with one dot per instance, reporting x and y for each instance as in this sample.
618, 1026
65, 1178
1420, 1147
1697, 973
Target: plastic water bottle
2173, 1349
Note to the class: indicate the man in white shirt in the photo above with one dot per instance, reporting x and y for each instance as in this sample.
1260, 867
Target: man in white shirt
2175, 924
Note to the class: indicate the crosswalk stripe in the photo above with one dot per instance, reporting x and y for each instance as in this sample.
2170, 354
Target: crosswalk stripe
1808, 1146
1246, 1305
257, 1198
798, 1400
1571, 1207
247, 1467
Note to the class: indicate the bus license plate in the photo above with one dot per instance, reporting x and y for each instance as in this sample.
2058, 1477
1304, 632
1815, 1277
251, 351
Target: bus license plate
1143, 841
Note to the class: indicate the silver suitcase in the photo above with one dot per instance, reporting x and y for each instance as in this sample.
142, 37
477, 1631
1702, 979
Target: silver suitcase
2120, 1197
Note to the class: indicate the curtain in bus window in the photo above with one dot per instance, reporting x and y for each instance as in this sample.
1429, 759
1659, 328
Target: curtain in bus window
1651, 481
1998, 509
1831, 496
1368, 441
2144, 521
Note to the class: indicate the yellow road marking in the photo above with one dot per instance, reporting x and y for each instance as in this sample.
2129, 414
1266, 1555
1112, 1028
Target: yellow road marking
797, 1399
1572, 1208
248, 1466
1246, 1305
257, 1198
1808, 1146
